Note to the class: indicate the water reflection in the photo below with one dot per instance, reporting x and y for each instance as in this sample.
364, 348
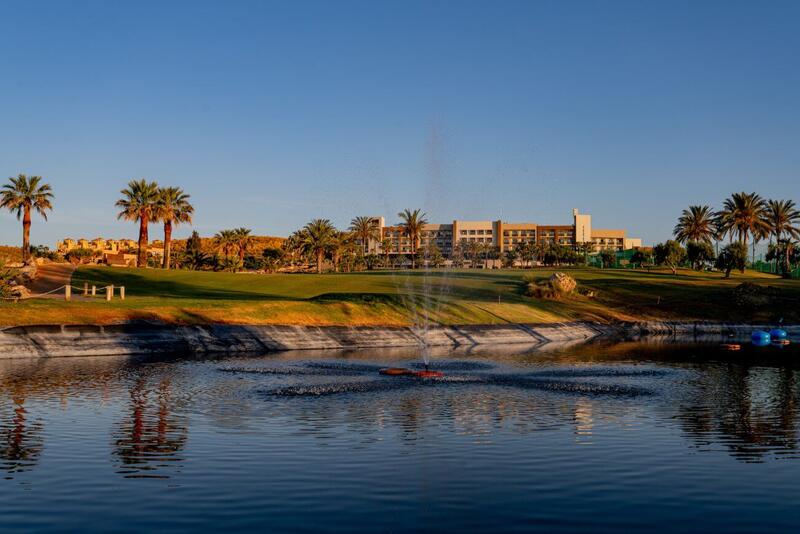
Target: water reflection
752, 411
745, 405
151, 437
22, 441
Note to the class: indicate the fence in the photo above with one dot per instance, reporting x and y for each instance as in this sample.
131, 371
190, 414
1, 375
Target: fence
773, 268
87, 292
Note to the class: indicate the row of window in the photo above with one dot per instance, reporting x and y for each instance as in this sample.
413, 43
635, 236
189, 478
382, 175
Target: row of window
476, 232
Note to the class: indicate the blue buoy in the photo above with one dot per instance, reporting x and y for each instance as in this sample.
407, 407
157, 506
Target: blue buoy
777, 334
760, 338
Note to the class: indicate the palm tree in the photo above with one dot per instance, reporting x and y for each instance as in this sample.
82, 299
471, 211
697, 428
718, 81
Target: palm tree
743, 215
783, 217
411, 226
243, 239
696, 224
318, 238
386, 248
341, 245
173, 208
24, 194
226, 240
140, 203
365, 230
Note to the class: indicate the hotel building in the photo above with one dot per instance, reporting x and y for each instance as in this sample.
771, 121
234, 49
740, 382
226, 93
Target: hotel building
502, 235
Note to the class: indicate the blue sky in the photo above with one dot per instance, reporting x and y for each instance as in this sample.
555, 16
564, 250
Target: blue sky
272, 113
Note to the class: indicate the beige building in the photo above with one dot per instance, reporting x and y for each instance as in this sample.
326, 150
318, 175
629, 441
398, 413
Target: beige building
112, 251
502, 235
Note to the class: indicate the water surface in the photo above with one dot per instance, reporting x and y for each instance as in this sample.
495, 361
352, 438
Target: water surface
601, 437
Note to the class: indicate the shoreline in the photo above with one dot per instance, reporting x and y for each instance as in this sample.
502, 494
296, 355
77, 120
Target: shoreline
50, 341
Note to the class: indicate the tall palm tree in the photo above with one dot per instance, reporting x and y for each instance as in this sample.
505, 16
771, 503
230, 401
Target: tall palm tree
173, 208
411, 225
783, 218
365, 230
244, 239
318, 238
696, 224
226, 240
23, 195
341, 245
743, 215
139, 202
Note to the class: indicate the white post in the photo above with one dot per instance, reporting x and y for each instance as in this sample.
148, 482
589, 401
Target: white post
67, 292
109, 292
94, 291
122, 292
85, 289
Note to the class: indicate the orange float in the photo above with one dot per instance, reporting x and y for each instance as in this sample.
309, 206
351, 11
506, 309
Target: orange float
396, 371
731, 346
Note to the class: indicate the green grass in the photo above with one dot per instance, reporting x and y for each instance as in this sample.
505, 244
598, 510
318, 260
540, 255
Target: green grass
402, 297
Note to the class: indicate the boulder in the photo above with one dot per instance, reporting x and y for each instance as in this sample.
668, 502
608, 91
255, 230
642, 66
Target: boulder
563, 283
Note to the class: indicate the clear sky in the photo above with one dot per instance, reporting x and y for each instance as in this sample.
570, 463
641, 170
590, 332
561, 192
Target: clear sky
273, 113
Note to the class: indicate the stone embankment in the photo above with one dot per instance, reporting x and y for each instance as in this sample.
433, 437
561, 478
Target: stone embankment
76, 340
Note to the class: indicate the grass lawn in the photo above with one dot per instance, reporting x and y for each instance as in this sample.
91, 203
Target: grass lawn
402, 298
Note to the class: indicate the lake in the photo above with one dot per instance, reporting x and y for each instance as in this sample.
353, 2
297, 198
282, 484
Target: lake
601, 437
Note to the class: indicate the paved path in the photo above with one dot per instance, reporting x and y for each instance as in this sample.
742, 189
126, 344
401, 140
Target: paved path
51, 276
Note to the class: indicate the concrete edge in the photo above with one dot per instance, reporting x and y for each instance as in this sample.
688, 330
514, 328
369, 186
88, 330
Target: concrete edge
145, 338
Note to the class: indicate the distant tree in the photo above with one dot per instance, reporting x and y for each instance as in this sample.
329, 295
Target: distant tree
411, 225
364, 230
194, 244
318, 237
243, 239
783, 219
342, 245
24, 195
699, 253
641, 257
78, 256
386, 248
139, 203
172, 209
273, 257
226, 241
671, 254
787, 253
510, 258
527, 252
698, 223
744, 215
608, 258
733, 256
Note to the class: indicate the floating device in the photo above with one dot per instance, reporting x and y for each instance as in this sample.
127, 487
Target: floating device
778, 334
402, 371
428, 374
731, 346
396, 371
760, 338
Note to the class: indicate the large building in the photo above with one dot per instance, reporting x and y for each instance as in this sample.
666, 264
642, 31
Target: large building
502, 235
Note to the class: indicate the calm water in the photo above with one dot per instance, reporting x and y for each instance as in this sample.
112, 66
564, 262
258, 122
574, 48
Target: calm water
605, 438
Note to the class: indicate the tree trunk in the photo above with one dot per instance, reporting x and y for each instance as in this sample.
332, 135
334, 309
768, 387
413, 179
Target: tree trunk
320, 258
143, 241
26, 234
167, 243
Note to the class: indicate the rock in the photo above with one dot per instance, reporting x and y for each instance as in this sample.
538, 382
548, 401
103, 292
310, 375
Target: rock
563, 283
18, 291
